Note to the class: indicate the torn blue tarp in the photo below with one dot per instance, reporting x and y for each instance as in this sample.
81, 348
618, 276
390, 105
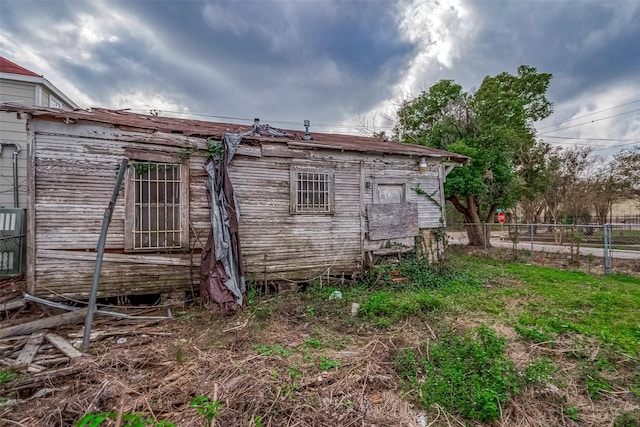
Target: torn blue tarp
222, 270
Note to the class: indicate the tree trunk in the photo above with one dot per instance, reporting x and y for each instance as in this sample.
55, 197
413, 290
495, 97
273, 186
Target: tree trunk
472, 220
474, 233
490, 221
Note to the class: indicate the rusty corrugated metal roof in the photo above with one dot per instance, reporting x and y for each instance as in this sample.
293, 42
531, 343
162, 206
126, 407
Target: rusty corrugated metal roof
206, 129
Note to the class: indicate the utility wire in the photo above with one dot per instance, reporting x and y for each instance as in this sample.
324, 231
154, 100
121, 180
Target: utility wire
588, 139
589, 122
250, 120
617, 146
592, 114
360, 127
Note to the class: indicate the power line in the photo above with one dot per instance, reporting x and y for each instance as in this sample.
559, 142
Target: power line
589, 122
284, 122
592, 114
576, 143
588, 139
617, 146
359, 127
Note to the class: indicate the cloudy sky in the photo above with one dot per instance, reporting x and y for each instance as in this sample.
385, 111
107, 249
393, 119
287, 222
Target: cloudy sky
338, 63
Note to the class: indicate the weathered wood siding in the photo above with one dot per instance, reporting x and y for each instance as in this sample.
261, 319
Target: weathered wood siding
279, 245
71, 180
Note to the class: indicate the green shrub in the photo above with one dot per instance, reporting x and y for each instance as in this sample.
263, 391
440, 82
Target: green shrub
378, 304
595, 383
269, 350
406, 364
312, 343
327, 364
400, 305
205, 407
572, 412
7, 376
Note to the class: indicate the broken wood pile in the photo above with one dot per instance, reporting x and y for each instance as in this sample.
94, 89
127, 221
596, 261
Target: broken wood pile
38, 352
31, 345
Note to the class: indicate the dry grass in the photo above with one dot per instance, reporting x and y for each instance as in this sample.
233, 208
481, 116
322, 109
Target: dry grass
162, 366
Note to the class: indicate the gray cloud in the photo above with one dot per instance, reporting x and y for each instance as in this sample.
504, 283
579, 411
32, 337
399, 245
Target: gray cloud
328, 61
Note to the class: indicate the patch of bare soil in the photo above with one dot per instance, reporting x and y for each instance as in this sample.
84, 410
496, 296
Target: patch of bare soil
276, 363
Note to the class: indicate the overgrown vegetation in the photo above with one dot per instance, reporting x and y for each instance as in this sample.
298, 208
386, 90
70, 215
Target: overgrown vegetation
467, 375
476, 343
494, 125
206, 407
126, 420
7, 376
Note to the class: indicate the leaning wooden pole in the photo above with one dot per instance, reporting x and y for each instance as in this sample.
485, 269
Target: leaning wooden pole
100, 254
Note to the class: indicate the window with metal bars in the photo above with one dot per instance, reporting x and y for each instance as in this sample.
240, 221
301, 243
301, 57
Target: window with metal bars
155, 206
312, 192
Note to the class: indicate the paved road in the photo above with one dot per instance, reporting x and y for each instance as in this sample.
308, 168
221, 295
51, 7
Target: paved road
460, 238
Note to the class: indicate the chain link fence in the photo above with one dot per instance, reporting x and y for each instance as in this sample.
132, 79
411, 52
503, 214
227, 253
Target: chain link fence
608, 244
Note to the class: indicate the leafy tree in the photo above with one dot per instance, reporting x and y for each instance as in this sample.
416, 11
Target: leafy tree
605, 189
614, 181
535, 175
566, 194
493, 126
582, 185
627, 169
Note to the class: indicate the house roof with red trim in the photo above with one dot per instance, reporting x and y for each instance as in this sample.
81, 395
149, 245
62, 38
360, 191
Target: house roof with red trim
7, 66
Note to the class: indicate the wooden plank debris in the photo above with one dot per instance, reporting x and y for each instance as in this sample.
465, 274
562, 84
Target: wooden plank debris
44, 378
46, 323
13, 304
63, 345
30, 349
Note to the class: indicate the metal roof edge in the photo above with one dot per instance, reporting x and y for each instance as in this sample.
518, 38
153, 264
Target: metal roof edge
209, 129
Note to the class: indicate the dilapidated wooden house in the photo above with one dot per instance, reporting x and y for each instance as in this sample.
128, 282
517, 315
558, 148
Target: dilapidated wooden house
309, 204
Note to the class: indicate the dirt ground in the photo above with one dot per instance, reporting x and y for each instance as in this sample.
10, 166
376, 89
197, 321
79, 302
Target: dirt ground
157, 368
283, 361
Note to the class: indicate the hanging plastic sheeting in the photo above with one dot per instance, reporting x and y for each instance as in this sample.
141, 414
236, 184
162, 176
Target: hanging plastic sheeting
222, 271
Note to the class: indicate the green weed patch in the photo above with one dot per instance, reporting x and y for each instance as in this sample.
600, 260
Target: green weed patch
467, 375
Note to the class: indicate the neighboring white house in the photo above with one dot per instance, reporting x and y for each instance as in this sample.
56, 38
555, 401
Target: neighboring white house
17, 84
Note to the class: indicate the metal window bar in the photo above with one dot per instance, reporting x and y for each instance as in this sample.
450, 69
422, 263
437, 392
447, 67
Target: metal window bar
157, 207
312, 193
